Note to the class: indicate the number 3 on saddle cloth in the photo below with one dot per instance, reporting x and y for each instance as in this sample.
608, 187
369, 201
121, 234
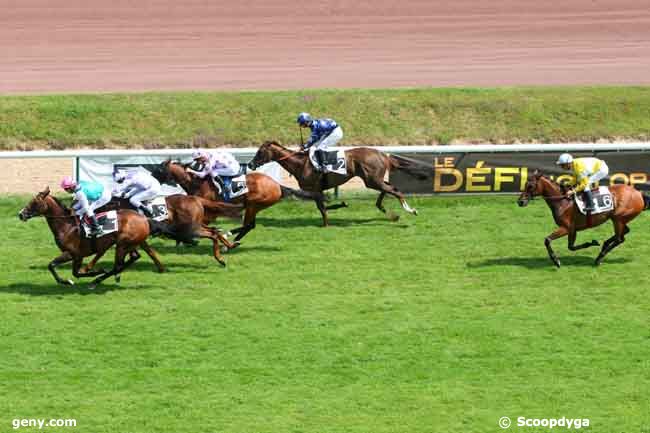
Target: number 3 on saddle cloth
107, 220
603, 201
334, 161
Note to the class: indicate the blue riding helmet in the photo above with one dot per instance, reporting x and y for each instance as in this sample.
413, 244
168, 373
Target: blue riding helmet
303, 119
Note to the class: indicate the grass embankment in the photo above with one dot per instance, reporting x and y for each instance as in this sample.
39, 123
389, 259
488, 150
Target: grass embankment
409, 116
443, 322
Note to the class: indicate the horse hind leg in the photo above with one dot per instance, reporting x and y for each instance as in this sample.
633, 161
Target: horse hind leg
386, 188
621, 229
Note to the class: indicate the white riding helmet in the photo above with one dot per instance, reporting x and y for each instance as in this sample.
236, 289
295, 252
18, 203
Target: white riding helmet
119, 175
565, 158
198, 153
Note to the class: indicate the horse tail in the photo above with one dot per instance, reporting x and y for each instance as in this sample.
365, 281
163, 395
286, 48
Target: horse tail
414, 168
228, 210
646, 201
185, 233
301, 194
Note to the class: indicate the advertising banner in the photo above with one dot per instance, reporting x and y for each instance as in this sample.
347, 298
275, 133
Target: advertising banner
507, 172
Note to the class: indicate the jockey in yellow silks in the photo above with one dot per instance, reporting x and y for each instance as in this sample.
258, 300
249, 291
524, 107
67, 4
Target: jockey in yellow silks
587, 172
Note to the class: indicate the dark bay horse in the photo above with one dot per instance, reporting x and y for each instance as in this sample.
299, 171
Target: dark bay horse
370, 165
628, 204
263, 192
133, 231
197, 212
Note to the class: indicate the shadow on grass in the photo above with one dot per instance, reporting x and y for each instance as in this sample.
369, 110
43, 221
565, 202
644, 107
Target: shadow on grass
205, 248
54, 289
544, 262
296, 222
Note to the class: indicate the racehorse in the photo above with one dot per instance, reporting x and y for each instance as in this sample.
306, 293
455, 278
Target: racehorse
370, 165
628, 203
184, 210
133, 231
263, 192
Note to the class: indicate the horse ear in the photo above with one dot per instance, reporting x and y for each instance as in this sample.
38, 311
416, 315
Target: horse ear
45, 192
537, 172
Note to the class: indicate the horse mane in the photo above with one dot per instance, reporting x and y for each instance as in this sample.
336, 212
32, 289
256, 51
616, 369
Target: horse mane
65, 208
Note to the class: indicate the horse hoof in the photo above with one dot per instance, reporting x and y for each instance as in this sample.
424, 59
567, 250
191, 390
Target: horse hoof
344, 204
162, 270
557, 263
595, 243
70, 283
117, 278
92, 286
223, 249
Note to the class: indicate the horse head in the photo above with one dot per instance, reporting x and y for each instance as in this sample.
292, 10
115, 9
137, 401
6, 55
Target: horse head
533, 188
37, 206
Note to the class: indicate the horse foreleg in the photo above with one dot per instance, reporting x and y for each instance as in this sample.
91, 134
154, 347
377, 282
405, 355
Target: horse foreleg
572, 240
63, 258
118, 266
249, 223
154, 256
561, 231
336, 206
86, 270
213, 235
380, 202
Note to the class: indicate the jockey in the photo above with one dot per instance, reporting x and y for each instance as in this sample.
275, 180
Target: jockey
588, 172
220, 165
88, 196
139, 186
324, 133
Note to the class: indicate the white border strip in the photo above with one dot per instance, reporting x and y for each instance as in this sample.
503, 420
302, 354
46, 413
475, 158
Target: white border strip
488, 148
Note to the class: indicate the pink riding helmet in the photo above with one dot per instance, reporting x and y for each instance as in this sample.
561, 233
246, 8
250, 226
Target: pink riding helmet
68, 182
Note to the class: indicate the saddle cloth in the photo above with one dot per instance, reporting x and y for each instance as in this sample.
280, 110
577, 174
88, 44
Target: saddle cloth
108, 221
334, 161
159, 206
603, 201
238, 187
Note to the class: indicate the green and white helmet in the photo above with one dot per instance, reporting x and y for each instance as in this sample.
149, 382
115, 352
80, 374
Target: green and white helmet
565, 158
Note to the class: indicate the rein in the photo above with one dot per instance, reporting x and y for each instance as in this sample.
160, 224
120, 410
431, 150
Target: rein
288, 156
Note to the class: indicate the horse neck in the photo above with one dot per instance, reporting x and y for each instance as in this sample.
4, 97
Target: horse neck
289, 160
552, 193
57, 218
183, 179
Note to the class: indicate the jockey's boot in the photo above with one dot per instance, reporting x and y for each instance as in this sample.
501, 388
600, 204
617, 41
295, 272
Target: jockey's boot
218, 183
589, 200
95, 228
320, 160
147, 210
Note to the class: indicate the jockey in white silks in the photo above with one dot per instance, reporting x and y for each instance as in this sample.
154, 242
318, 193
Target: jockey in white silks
221, 166
139, 187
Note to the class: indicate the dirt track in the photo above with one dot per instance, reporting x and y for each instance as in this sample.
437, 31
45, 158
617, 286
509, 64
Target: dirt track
97, 46
122, 45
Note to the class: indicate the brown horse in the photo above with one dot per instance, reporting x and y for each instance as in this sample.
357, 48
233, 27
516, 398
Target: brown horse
370, 165
197, 212
134, 229
628, 203
263, 192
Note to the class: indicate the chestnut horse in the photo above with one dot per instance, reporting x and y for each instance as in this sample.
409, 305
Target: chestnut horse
263, 192
184, 210
370, 165
628, 204
133, 231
